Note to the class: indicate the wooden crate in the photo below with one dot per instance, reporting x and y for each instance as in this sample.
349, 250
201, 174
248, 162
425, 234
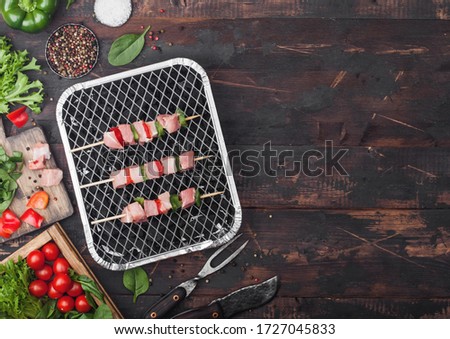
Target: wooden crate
56, 233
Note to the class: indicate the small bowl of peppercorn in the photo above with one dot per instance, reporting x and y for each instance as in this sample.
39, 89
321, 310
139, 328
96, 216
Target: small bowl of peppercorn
72, 51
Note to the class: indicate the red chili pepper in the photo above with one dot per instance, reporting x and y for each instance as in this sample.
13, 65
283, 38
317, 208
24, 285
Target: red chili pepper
33, 218
118, 135
10, 221
147, 131
19, 117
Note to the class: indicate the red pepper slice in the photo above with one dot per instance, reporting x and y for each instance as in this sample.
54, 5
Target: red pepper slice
159, 206
3, 233
38, 200
118, 135
159, 167
148, 133
33, 218
19, 117
128, 176
10, 221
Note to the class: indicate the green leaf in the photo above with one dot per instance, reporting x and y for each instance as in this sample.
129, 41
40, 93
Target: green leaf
136, 281
88, 285
15, 86
48, 311
32, 66
91, 300
15, 300
103, 312
69, 3
126, 48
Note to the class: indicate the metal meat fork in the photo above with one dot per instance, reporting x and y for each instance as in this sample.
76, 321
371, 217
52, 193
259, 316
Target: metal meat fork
179, 293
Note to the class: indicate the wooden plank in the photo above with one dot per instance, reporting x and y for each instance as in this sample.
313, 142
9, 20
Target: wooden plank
68, 250
354, 82
395, 177
60, 206
314, 308
318, 253
408, 9
316, 258
377, 177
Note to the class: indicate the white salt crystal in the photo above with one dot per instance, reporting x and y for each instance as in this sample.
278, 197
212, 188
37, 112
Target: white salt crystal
112, 13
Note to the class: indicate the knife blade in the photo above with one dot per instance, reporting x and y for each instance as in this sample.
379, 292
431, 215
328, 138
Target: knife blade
238, 301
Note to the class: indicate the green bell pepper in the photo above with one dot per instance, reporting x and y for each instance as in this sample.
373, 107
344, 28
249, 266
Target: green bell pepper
30, 16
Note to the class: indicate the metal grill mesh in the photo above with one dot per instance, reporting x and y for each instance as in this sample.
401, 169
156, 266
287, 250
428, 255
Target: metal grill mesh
86, 113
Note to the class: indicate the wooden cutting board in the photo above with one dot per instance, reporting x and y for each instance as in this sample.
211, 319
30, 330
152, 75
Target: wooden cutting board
59, 206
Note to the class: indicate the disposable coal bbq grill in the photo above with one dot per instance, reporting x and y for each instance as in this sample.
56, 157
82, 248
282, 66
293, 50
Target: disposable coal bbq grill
86, 110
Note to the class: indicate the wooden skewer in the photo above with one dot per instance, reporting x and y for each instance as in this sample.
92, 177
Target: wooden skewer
98, 143
105, 181
193, 117
115, 217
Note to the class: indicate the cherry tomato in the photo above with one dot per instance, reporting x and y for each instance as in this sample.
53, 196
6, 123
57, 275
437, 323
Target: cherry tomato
75, 290
65, 304
82, 305
60, 266
38, 288
44, 273
36, 260
51, 251
52, 293
62, 283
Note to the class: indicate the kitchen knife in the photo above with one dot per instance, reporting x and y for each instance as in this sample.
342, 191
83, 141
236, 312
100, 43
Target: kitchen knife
182, 291
238, 301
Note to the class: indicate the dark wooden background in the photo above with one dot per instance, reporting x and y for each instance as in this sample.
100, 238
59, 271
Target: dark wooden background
371, 75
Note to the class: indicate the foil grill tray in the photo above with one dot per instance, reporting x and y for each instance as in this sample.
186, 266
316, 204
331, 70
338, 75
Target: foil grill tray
86, 110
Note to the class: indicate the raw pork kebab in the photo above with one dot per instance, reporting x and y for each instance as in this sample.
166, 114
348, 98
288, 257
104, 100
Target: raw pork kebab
149, 171
141, 131
142, 209
48, 176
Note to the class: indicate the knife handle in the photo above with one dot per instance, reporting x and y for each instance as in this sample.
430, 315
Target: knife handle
212, 311
166, 303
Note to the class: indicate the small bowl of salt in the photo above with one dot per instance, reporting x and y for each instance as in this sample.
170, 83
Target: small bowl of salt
112, 13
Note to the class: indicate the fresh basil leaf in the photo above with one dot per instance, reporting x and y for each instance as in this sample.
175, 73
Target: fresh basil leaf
91, 300
89, 286
136, 281
126, 48
69, 3
9, 173
103, 312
